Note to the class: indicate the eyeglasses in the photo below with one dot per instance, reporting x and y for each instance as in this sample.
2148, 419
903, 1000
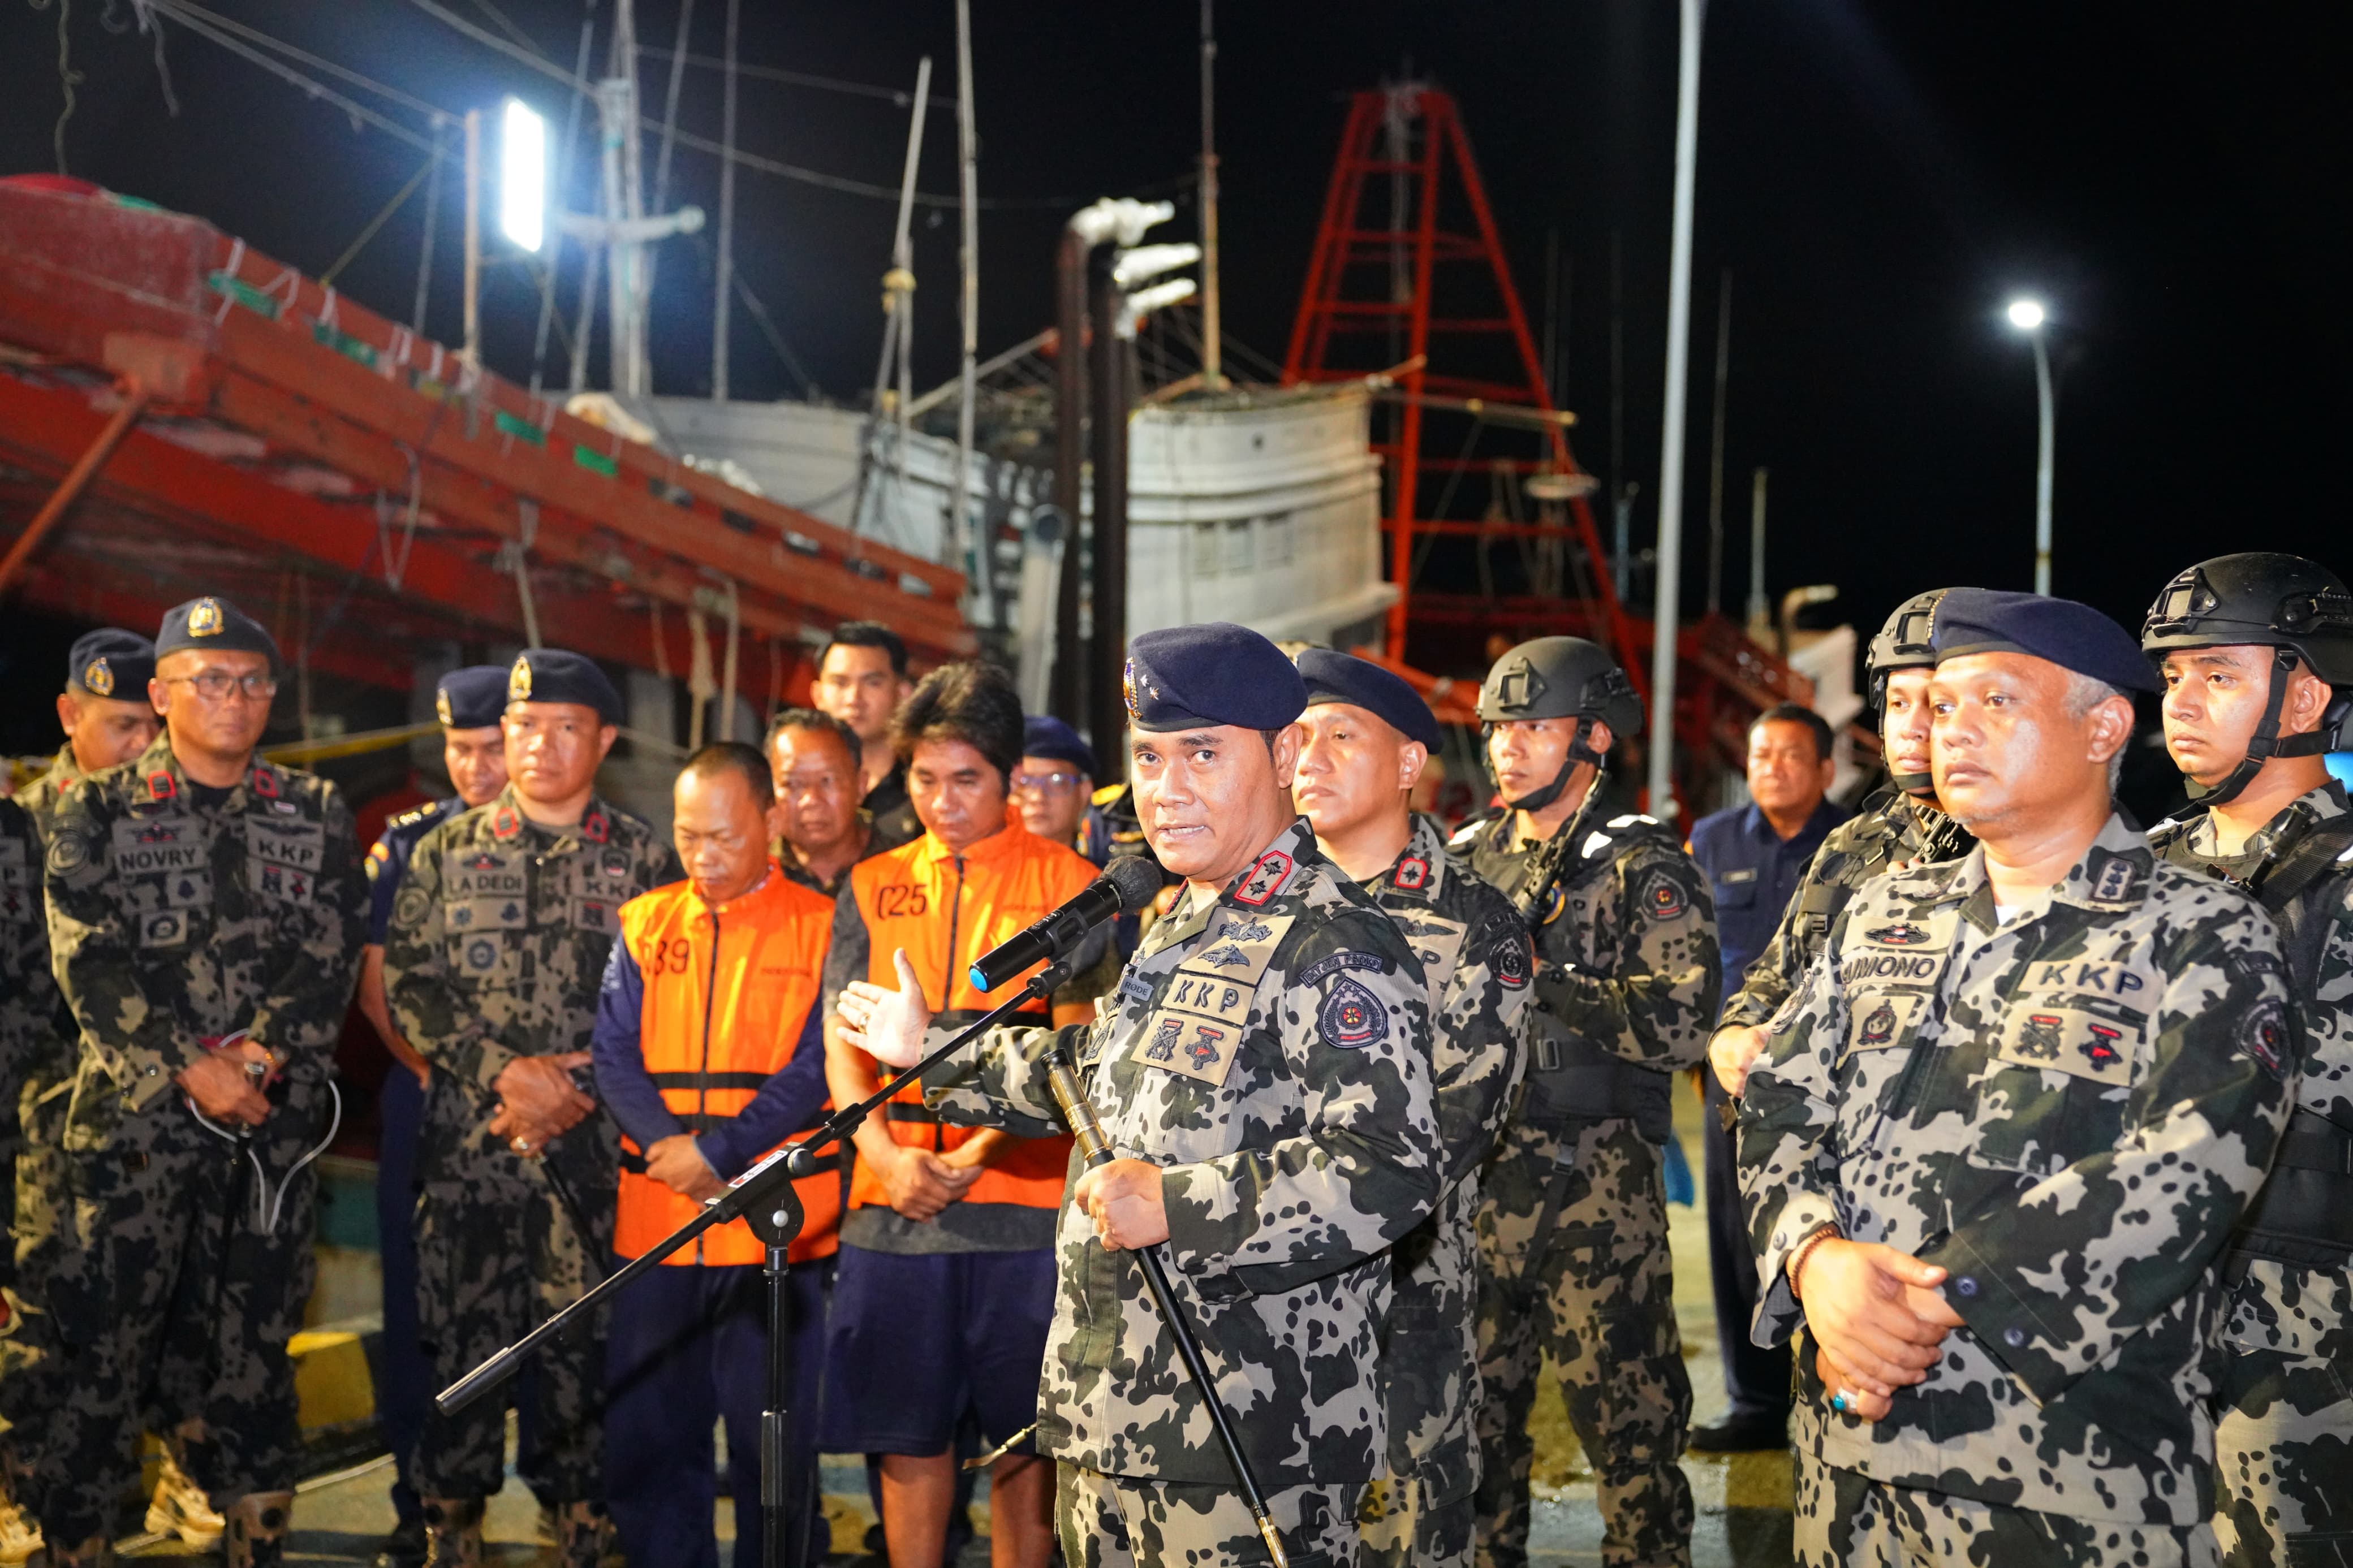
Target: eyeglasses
1048, 784
214, 685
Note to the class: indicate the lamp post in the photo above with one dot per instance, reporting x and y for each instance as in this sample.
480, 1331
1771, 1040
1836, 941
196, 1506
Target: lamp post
2029, 317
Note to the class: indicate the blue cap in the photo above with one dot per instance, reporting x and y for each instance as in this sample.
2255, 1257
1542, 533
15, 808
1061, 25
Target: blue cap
1343, 677
2074, 637
110, 662
471, 698
1183, 678
1043, 735
555, 674
210, 624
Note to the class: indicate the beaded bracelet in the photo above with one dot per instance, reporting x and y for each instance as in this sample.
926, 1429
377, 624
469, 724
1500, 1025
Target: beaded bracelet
1826, 1231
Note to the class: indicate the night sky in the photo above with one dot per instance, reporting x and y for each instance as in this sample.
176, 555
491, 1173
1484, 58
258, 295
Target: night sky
1879, 178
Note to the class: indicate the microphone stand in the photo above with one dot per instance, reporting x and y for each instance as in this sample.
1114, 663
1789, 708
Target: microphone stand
763, 1197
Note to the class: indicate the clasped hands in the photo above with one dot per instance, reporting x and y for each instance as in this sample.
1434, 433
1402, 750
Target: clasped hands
1878, 1321
538, 1102
221, 1086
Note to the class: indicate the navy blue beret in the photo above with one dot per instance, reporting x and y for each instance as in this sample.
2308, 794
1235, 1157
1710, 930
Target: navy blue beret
471, 698
1043, 735
2072, 636
111, 662
211, 624
1182, 678
1343, 677
555, 675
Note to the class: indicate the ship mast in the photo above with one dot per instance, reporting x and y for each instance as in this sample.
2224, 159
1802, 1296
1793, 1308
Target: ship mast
1213, 376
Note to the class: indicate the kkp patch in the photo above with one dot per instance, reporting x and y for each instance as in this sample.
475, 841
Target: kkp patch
1663, 896
1351, 1017
2262, 1035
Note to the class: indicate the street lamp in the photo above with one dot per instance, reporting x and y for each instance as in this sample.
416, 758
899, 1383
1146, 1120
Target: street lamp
2029, 317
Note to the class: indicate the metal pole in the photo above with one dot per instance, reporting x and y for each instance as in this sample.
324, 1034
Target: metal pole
777, 1524
472, 352
2045, 452
1069, 467
1760, 612
722, 298
432, 212
1213, 374
898, 307
1107, 377
1668, 599
76, 479
561, 185
1715, 460
973, 561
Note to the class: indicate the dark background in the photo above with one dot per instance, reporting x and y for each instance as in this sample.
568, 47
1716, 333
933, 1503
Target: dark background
1880, 179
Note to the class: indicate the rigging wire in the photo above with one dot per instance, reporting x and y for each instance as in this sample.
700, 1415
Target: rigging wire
182, 10
897, 96
432, 162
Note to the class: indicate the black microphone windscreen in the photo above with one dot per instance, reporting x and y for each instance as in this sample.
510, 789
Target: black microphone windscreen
1137, 879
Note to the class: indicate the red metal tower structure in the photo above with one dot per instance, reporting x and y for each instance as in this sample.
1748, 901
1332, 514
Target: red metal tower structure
1403, 279
1408, 277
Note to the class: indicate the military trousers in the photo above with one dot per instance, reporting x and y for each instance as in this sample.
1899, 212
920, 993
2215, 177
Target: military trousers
2284, 1427
169, 1296
495, 1259
1848, 1521
1131, 1522
1404, 1525
1573, 1267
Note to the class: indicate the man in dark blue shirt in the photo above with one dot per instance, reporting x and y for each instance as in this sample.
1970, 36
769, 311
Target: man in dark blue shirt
1754, 856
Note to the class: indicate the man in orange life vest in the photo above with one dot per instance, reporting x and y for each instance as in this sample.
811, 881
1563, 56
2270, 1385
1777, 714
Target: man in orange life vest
947, 1267
709, 1055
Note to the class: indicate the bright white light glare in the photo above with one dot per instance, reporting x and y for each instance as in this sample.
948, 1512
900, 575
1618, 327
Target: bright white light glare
522, 176
2026, 315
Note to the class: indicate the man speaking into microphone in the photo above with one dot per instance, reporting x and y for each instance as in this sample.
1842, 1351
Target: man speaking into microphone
1263, 1075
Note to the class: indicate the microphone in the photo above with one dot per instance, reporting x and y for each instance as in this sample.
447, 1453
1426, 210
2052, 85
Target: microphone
1126, 885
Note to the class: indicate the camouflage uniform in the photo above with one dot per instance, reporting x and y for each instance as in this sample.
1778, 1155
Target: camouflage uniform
45, 795
1270, 1047
2284, 1436
177, 919
498, 936
2068, 1111
1891, 832
36, 1034
1573, 1211
1475, 952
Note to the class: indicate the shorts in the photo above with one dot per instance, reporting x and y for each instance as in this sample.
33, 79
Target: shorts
915, 1341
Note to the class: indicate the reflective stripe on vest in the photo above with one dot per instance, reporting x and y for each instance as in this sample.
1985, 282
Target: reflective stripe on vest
946, 910
727, 993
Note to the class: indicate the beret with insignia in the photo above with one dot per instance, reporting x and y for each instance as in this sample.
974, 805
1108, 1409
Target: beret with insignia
212, 623
555, 674
111, 662
1343, 677
1183, 678
2074, 637
1043, 735
471, 698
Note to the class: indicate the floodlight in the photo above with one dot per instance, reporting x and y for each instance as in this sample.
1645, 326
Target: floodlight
2026, 315
1150, 260
522, 176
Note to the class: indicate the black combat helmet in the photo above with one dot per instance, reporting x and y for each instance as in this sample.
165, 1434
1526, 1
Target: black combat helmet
2261, 599
1903, 644
1560, 678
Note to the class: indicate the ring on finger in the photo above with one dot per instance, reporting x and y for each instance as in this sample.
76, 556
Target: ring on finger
1841, 1403
519, 1145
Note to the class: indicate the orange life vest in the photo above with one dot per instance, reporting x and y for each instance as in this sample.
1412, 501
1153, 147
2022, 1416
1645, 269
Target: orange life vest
727, 992
946, 910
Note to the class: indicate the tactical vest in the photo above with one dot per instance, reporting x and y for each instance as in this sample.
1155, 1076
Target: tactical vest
2302, 1217
946, 910
727, 991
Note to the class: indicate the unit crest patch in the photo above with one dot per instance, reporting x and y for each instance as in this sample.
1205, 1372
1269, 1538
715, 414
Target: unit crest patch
1351, 1017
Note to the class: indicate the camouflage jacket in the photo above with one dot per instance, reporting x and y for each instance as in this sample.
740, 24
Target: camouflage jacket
42, 797
35, 1038
1476, 955
1270, 1048
1891, 833
498, 936
2068, 1113
1627, 971
171, 922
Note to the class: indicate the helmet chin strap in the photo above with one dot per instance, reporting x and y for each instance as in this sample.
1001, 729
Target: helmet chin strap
1913, 783
2263, 745
1578, 752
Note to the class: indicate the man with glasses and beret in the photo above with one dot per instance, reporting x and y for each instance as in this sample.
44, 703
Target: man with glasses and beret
205, 913
104, 713
469, 702
500, 933
2000, 1135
